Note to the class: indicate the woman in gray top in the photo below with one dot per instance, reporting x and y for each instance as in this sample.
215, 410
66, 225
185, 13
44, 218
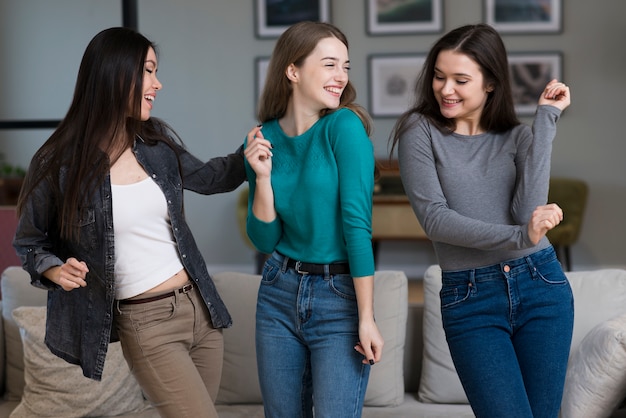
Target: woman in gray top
478, 182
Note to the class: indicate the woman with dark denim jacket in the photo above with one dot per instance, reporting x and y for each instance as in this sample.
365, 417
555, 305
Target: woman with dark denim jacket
101, 226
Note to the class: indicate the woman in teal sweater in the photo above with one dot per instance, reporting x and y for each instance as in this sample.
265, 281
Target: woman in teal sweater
311, 173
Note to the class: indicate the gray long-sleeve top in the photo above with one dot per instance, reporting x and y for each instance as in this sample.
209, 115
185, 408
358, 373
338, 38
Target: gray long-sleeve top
474, 195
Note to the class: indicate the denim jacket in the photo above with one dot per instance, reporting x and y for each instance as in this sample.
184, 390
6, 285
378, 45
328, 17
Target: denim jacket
80, 322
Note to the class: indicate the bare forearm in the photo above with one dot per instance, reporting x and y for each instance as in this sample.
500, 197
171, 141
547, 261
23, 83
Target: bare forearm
263, 204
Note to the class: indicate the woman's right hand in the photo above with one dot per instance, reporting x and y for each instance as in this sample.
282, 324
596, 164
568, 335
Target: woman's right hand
258, 153
543, 219
70, 275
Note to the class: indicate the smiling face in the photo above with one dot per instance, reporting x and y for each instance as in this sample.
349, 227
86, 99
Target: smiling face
459, 87
150, 84
319, 82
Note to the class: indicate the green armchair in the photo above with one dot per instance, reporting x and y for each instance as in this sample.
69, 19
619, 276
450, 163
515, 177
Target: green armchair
571, 196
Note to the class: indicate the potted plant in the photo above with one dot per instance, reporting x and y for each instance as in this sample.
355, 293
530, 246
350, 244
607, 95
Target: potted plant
11, 179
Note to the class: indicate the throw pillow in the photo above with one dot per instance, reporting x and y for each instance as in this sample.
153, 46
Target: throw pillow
439, 382
16, 291
55, 388
386, 383
240, 382
239, 292
596, 375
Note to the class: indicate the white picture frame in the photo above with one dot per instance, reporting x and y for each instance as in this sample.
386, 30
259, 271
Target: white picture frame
399, 17
524, 17
392, 79
272, 18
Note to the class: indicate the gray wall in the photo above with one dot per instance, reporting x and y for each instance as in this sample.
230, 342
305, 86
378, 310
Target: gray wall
207, 68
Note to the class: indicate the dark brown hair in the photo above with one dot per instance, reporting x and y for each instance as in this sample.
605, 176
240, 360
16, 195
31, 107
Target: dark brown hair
483, 45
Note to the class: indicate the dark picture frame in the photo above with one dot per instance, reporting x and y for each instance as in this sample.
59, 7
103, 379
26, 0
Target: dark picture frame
398, 17
530, 73
524, 16
392, 79
272, 17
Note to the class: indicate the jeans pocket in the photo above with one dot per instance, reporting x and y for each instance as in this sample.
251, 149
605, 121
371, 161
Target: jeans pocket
343, 285
454, 294
551, 273
270, 273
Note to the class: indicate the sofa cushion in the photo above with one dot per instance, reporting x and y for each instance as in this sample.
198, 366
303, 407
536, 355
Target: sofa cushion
599, 295
596, 375
240, 383
239, 292
16, 291
439, 382
55, 388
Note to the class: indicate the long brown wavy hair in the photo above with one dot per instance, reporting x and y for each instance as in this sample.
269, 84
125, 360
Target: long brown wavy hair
293, 47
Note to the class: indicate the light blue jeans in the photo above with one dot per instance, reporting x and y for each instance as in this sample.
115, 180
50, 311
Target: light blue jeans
306, 330
509, 328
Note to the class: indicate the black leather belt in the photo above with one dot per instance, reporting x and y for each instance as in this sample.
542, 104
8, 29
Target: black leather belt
311, 268
185, 289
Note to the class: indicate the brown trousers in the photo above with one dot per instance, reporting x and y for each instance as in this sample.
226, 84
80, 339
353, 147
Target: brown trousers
174, 353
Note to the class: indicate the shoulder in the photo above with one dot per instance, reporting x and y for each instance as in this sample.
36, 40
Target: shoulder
343, 116
519, 132
417, 124
344, 121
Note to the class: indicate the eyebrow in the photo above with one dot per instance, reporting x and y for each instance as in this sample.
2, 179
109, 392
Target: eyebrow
333, 59
455, 74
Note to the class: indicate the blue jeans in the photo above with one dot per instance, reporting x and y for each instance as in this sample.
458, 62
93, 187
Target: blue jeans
306, 330
509, 328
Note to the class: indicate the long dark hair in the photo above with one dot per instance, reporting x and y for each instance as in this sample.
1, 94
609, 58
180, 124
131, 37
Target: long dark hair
102, 121
482, 44
293, 47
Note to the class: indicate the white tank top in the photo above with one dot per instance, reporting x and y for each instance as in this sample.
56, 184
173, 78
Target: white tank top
145, 251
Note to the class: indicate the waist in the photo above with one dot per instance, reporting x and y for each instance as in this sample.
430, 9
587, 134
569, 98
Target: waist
509, 266
303, 267
134, 301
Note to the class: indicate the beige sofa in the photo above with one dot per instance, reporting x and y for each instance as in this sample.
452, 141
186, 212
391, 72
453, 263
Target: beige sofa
415, 378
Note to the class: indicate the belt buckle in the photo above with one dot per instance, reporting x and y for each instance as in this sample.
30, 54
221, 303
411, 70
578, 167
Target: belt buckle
298, 268
186, 288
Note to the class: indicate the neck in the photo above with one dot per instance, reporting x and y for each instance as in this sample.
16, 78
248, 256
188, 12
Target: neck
297, 120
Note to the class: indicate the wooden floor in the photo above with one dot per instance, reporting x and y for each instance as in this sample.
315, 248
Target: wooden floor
416, 291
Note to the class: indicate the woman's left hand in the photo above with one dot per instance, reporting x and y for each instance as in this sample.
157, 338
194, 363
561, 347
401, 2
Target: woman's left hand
556, 94
370, 343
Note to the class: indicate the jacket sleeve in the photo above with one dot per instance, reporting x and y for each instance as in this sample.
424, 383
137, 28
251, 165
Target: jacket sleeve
34, 236
218, 175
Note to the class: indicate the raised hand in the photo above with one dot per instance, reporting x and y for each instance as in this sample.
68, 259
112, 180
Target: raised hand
556, 94
258, 153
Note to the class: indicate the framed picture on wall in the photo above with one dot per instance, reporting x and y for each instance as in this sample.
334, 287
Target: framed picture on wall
394, 17
530, 72
392, 83
274, 16
524, 16
260, 72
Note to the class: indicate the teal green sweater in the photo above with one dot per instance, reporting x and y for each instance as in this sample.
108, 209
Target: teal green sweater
323, 182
